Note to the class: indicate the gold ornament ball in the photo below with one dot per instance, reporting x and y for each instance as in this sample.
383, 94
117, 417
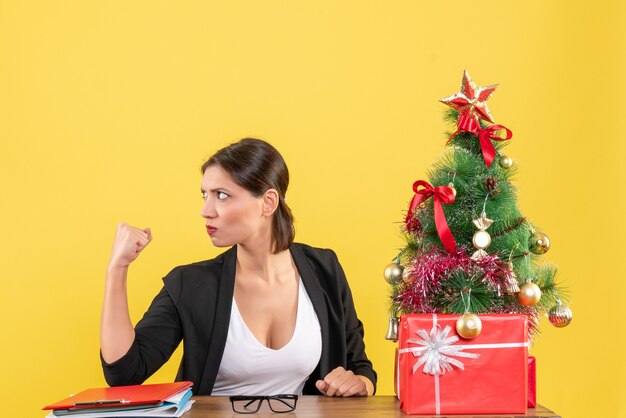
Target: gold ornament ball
560, 316
469, 326
529, 294
539, 243
393, 273
451, 185
481, 239
505, 162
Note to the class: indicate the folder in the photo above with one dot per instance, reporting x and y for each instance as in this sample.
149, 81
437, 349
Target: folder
120, 397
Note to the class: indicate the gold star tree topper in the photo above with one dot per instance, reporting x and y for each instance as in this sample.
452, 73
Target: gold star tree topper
470, 101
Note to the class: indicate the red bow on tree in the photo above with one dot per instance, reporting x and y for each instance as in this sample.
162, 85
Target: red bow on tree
485, 136
441, 194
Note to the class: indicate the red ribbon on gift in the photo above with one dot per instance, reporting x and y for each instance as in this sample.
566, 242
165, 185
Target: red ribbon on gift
485, 136
441, 194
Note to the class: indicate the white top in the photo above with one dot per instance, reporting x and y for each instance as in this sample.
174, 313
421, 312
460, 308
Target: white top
250, 368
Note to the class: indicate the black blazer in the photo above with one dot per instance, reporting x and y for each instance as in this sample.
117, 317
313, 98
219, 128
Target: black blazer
194, 306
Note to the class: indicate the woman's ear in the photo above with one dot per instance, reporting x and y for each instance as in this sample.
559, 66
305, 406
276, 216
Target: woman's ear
270, 202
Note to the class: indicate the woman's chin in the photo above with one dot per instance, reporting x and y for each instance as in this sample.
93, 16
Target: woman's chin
220, 243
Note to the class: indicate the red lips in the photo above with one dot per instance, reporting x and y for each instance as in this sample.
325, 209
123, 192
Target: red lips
211, 229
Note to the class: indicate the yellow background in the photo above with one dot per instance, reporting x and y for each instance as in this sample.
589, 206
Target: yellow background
107, 110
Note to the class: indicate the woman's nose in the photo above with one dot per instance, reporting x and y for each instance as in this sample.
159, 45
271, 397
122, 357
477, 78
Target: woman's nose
208, 210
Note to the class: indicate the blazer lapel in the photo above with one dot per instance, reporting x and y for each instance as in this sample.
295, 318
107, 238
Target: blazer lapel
316, 294
219, 333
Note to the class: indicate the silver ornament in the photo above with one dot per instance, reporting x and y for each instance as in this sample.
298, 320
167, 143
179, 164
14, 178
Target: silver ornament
392, 329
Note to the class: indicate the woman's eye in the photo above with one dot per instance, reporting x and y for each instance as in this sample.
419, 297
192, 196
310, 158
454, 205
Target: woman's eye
221, 195
204, 195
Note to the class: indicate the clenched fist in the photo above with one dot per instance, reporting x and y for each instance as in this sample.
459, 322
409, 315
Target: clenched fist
342, 382
128, 243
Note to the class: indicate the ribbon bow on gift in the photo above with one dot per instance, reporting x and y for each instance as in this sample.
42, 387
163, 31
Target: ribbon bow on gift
438, 349
441, 194
485, 136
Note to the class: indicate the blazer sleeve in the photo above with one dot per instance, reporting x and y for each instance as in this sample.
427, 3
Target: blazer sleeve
157, 335
357, 360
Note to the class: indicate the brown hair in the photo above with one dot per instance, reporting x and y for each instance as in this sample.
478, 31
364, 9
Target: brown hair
257, 166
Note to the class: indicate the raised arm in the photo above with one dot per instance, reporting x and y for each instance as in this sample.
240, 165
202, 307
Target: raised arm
116, 330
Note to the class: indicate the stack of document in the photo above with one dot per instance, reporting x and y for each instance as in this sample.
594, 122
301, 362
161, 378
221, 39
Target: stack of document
158, 400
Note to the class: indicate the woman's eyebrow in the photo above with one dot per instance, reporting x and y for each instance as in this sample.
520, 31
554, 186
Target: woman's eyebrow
218, 189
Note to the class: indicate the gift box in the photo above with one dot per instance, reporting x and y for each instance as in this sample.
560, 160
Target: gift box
439, 372
532, 382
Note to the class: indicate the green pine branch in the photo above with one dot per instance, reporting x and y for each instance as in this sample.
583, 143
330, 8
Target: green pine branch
464, 292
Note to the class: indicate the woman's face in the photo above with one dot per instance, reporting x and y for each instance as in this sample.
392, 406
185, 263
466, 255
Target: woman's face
233, 215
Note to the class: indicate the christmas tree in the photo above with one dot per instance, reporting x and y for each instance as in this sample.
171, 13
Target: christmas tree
469, 249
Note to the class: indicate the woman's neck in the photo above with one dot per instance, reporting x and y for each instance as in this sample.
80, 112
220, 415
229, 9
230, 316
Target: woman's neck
260, 262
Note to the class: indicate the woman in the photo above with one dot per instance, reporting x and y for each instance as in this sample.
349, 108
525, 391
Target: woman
267, 316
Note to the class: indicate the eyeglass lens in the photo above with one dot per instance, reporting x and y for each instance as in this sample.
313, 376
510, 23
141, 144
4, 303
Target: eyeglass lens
282, 404
246, 406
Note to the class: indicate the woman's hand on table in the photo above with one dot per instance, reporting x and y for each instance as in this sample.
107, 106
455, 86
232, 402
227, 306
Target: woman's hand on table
342, 382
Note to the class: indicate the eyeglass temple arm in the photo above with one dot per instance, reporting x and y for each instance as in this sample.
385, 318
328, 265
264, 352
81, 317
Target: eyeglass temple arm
252, 401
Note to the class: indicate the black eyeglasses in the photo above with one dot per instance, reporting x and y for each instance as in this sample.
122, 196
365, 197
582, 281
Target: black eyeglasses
252, 404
